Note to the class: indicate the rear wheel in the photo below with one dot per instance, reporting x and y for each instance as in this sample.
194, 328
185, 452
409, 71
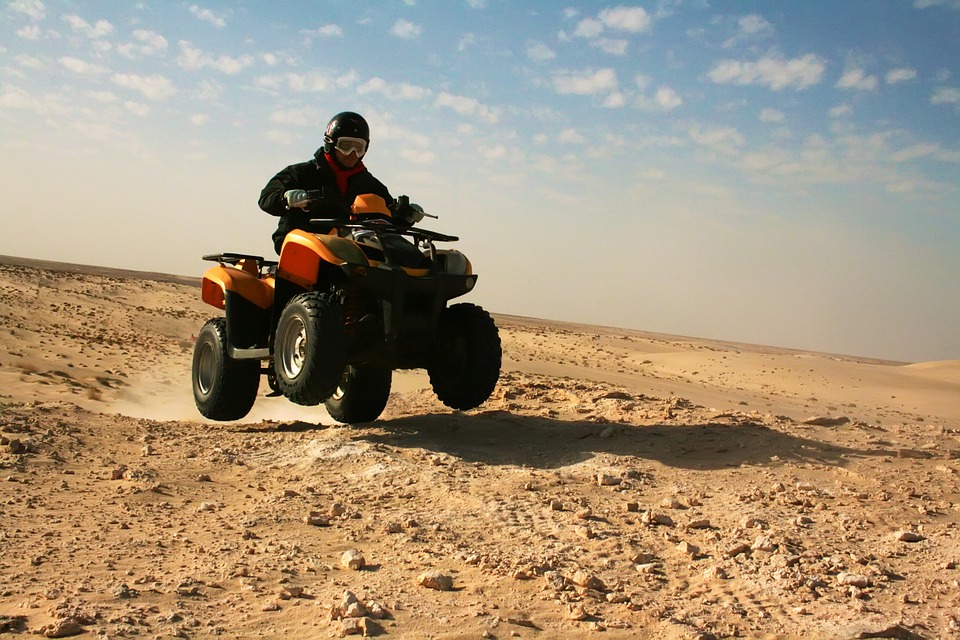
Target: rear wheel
361, 395
466, 367
309, 350
223, 388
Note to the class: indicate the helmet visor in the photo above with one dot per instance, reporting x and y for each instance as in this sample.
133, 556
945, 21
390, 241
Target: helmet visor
347, 145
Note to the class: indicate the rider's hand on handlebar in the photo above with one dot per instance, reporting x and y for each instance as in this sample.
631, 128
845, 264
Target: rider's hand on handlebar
297, 198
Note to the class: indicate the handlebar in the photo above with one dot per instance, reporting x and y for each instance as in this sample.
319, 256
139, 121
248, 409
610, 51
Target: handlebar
382, 226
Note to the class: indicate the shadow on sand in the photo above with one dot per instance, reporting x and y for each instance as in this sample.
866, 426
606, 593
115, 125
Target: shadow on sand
503, 438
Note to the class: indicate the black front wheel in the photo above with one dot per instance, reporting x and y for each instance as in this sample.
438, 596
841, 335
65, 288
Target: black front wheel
223, 388
361, 395
465, 367
309, 349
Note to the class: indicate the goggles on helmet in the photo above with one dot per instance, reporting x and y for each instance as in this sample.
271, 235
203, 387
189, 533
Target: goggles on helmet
347, 145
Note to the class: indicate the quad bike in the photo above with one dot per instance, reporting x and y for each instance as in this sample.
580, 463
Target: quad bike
350, 299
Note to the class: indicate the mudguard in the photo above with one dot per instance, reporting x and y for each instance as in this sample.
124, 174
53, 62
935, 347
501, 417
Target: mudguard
217, 281
302, 253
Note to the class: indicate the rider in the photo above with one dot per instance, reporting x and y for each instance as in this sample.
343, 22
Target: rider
337, 170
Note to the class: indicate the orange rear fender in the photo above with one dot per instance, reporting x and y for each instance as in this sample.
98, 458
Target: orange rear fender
222, 278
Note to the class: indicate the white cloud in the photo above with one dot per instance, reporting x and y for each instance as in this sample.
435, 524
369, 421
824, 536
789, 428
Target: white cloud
396, 91
667, 99
406, 29
31, 8
325, 31
722, 139
916, 151
302, 117
539, 52
493, 154
571, 136
466, 41
82, 67
155, 87
199, 119
477, 4
206, 15
209, 90
858, 80
98, 30
633, 19
192, 58
30, 62
754, 24
615, 100
148, 43
588, 28
106, 97
613, 46
15, 98
945, 95
29, 32
771, 115
924, 4
774, 72
750, 27
841, 110
902, 74
137, 108
466, 106
585, 83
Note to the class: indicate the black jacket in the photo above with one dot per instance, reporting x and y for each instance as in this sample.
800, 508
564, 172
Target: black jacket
311, 175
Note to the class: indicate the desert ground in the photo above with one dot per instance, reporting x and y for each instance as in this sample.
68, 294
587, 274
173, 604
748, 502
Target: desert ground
617, 484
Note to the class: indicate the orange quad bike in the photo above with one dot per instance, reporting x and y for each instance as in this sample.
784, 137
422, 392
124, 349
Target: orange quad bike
351, 299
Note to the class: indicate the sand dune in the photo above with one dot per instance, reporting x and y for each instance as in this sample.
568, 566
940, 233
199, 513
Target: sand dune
635, 483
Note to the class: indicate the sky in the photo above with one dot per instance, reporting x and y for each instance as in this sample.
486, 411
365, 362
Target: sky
778, 173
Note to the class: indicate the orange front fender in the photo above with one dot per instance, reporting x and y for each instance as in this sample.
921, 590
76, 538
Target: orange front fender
302, 253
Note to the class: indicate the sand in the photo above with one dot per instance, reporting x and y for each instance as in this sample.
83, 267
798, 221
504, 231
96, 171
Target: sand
638, 484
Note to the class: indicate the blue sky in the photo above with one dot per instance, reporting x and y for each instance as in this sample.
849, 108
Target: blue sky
782, 173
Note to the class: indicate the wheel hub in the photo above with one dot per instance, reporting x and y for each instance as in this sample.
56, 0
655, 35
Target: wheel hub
206, 368
293, 348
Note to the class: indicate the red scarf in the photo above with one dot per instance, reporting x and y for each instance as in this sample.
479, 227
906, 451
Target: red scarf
341, 174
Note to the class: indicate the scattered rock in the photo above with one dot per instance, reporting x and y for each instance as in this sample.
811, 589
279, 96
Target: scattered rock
435, 580
124, 592
909, 536
352, 559
316, 519
688, 549
587, 580
853, 580
715, 572
62, 629
763, 543
827, 421
576, 612
606, 480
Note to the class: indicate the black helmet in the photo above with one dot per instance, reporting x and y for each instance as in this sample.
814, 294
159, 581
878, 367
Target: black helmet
347, 123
